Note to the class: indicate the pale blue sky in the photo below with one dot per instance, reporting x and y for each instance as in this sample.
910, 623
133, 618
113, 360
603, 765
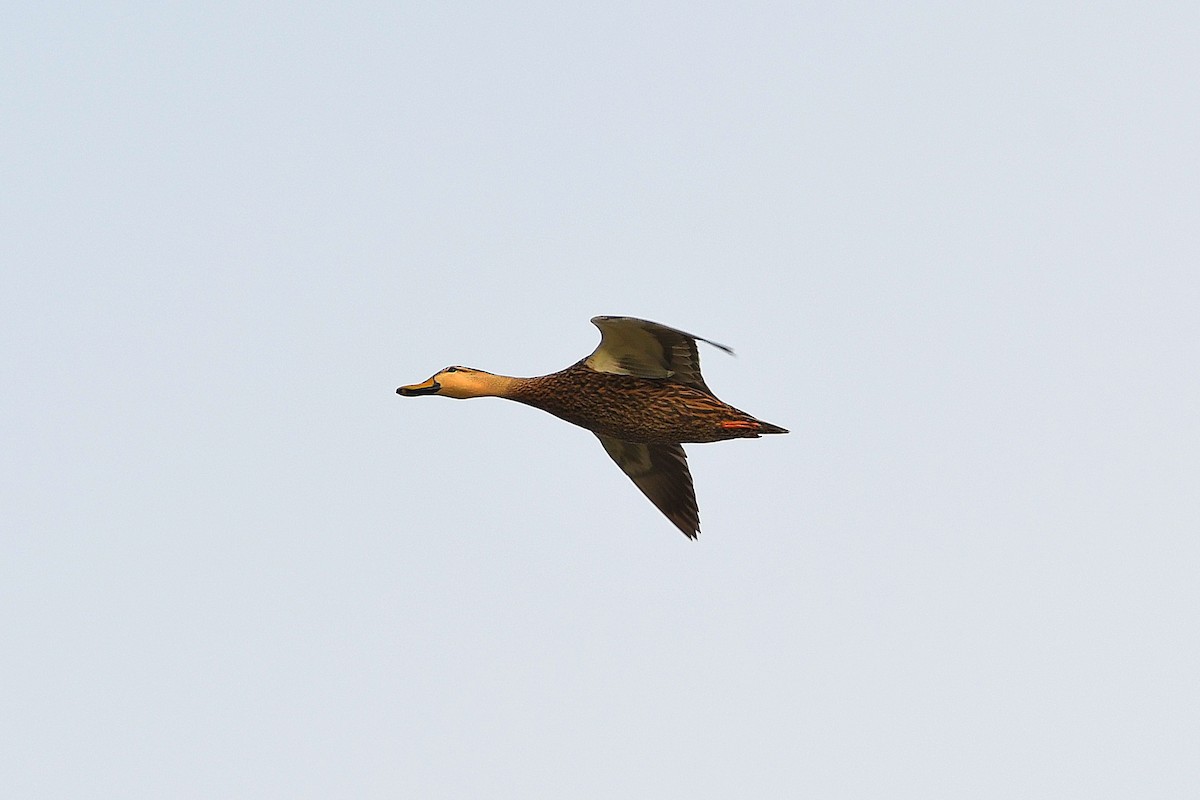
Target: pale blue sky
955, 248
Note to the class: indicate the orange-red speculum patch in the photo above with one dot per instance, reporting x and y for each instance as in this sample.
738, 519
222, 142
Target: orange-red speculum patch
740, 425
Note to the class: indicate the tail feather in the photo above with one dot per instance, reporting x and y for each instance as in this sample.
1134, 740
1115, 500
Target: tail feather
766, 427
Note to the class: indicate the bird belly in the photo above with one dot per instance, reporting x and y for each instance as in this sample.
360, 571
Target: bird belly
666, 417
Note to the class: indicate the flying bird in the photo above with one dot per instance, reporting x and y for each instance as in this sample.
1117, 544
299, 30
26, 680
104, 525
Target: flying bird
640, 391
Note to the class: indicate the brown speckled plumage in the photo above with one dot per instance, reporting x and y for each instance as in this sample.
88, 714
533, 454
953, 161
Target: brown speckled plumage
640, 392
644, 410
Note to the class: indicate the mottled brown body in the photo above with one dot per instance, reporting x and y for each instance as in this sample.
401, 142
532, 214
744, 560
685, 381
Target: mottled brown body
644, 410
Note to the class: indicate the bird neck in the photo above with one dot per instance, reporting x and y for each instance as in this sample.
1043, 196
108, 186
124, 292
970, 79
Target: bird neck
486, 384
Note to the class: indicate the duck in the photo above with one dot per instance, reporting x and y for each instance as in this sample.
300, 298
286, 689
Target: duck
640, 392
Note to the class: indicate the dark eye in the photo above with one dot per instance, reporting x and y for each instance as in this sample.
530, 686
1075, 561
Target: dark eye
451, 369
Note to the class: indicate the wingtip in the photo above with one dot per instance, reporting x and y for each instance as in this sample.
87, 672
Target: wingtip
720, 346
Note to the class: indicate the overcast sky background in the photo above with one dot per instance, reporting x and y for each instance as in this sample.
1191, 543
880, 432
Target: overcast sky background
956, 250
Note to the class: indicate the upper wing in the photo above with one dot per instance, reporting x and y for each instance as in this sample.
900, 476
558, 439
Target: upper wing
661, 472
630, 346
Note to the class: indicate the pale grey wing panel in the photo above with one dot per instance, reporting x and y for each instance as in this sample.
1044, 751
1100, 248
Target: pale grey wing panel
627, 347
661, 472
630, 346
